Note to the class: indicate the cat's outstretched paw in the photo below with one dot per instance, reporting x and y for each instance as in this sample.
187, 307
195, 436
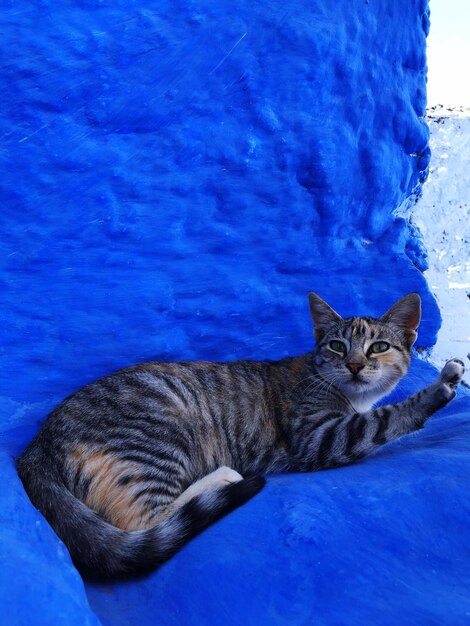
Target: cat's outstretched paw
452, 372
450, 377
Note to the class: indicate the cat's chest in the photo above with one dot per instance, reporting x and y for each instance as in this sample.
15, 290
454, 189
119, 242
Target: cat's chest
363, 403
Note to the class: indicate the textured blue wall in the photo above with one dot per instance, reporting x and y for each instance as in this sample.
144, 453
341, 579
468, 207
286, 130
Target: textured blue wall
176, 177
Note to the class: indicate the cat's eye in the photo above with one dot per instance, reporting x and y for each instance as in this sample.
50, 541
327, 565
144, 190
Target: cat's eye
338, 346
379, 346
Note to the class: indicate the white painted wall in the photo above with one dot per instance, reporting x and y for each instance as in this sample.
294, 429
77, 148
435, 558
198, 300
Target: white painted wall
443, 216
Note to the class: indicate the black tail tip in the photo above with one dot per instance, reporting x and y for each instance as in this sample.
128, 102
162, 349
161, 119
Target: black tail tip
254, 483
241, 492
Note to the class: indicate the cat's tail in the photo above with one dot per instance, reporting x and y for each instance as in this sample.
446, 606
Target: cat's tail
102, 551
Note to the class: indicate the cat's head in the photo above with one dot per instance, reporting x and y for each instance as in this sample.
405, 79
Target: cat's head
365, 356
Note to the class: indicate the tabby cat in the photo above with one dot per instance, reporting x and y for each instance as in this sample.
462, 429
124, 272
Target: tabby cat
130, 467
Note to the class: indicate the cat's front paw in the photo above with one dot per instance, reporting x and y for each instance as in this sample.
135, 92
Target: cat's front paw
452, 372
450, 377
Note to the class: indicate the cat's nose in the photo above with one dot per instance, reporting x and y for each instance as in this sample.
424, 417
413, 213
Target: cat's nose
354, 368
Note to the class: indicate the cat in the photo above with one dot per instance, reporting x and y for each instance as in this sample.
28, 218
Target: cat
130, 467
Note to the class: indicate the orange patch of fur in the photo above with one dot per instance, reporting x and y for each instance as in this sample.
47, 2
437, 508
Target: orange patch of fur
387, 357
108, 498
393, 360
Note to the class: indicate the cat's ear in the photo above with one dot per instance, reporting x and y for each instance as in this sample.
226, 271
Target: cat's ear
323, 315
406, 315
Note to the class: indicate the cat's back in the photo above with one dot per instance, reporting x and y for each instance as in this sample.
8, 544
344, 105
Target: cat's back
197, 404
184, 386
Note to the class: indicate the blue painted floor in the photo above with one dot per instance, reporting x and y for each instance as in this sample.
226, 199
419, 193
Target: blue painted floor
385, 541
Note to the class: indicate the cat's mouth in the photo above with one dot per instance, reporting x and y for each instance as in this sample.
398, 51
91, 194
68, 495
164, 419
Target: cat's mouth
358, 381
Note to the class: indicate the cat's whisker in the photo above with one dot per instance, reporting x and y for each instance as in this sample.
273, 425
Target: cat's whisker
300, 382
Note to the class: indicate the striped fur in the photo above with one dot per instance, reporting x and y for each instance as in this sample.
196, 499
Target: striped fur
130, 467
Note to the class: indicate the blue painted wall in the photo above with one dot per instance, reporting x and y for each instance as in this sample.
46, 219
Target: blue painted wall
176, 176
